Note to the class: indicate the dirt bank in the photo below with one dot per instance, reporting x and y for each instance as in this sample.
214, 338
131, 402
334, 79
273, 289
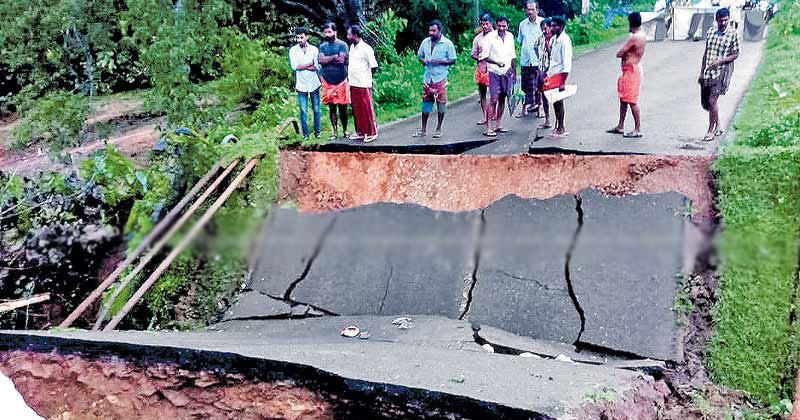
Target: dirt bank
70, 387
328, 181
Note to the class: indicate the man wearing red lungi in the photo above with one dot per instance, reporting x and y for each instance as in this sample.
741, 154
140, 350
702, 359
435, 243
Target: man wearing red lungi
631, 79
359, 72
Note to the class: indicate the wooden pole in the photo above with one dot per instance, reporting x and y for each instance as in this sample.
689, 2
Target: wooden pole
139, 249
160, 244
181, 245
20, 303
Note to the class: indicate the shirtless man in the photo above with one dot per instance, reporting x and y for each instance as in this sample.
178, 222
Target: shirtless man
629, 82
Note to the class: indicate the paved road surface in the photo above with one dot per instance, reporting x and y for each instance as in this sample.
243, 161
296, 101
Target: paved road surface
672, 119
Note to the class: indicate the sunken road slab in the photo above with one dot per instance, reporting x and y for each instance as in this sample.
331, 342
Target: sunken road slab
405, 366
624, 272
520, 283
252, 304
291, 241
391, 259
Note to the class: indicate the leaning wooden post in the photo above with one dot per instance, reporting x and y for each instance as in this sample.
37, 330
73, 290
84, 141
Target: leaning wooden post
181, 245
139, 249
160, 244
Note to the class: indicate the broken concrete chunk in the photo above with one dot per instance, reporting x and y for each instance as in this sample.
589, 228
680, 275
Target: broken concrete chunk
623, 271
520, 285
285, 252
253, 304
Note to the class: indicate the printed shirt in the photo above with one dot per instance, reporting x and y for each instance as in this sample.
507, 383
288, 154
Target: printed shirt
542, 54
529, 33
334, 73
442, 50
305, 80
359, 68
500, 50
560, 54
719, 45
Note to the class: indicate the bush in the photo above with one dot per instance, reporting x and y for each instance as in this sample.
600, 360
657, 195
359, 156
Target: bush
179, 48
57, 119
383, 31
64, 45
250, 68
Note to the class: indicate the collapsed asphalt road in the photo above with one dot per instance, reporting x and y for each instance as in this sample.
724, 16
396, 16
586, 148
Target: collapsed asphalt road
588, 270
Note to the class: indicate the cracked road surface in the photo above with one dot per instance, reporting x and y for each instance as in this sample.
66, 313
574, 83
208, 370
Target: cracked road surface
591, 271
672, 119
435, 356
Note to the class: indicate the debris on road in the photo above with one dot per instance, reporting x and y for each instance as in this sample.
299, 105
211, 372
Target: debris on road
403, 322
563, 358
350, 331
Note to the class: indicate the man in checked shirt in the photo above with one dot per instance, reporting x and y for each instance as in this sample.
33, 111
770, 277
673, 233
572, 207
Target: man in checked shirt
722, 48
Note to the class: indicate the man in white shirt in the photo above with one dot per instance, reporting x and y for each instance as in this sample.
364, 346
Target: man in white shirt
359, 72
304, 59
529, 32
559, 69
500, 55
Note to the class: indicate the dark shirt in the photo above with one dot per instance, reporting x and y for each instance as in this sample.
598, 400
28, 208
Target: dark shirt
334, 73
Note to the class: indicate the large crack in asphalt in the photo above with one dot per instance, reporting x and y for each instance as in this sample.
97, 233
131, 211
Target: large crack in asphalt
567, 272
386, 291
297, 310
476, 258
287, 296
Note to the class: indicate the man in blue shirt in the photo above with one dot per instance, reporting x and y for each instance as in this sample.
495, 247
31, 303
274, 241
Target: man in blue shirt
437, 54
529, 32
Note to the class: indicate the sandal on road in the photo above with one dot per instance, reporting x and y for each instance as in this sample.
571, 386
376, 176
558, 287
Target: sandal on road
545, 126
719, 132
437, 134
370, 139
501, 130
615, 130
632, 135
355, 137
490, 133
419, 134
708, 137
481, 123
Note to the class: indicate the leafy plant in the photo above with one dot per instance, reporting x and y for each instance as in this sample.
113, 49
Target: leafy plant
64, 45
179, 45
57, 119
383, 31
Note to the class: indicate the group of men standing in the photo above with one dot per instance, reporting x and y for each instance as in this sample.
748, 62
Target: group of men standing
545, 62
343, 74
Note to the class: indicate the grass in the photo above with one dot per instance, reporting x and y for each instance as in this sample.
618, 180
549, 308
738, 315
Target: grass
755, 348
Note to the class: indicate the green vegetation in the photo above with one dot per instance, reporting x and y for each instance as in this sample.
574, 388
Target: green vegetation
756, 342
57, 119
213, 68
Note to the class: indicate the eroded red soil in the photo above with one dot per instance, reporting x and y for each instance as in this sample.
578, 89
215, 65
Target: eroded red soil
328, 181
69, 387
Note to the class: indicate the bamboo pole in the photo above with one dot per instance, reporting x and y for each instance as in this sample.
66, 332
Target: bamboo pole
160, 244
139, 249
181, 245
20, 303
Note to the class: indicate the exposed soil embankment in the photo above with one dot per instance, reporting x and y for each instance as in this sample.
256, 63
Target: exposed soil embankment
328, 181
69, 387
